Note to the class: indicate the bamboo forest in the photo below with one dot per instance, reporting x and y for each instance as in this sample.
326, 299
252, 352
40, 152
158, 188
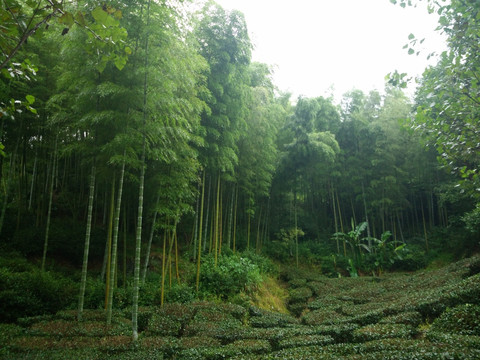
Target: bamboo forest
162, 198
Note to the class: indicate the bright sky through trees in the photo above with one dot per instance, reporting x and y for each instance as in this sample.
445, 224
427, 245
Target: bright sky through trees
315, 44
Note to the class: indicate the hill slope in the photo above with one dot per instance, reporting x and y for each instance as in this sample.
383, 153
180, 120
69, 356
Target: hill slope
425, 315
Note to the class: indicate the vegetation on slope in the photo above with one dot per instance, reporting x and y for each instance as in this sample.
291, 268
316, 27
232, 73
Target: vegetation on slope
424, 315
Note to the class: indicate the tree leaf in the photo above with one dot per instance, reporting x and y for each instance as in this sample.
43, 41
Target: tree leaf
67, 19
30, 99
100, 15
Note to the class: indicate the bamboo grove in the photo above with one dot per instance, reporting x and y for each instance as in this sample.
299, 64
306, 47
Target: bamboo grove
132, 131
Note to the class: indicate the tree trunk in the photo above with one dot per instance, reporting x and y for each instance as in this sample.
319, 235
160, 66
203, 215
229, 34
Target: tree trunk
162, 287
366, 217
216, 230
208, 212
199, 255
49, 214
335, 218
230, 219
296, 224
149, 246
424, 225
32, 186
86, 248
108, 285
138, 237
116, 226
235, 221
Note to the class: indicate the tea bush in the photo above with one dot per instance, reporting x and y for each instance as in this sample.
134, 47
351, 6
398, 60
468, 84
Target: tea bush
383, 331
463, 319
33, 293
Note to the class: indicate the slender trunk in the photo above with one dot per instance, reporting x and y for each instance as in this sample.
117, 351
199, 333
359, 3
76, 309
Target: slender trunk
169, 259
149, 246
341, 225
162, 287
354, 215
335, 218
400, 228
116, 226
108, 284
257, 241
138, 244
230, 219
32, 186
235, 221
431, 210
383, 207
124, 247
199, 255
177, 272
296, 230
86, 248
424, 225
220, 222
7, 189
195, 225
248, 230
208, 212
49, 214
216, 230
138, 240
366, 217
265, 223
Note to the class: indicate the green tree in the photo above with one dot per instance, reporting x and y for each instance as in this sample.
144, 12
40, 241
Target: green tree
223, 41
447, 100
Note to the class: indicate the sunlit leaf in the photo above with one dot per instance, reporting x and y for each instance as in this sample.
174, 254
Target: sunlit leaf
30, 99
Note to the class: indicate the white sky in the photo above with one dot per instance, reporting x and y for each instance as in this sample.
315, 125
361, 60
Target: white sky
316, 44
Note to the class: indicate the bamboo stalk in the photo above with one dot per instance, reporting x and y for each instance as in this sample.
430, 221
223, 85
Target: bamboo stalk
199, 256
114, 244
49, 215
83, 279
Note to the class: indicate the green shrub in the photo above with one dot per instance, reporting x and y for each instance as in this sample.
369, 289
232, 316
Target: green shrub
340, 333
266, 319
15, 262
412, 258
251, 346
305, 340
412, 318
460, 341
180, 293
296, 309
322, 317
296, 283
301, 294
169, 320
264, 264
463, 319
383, 331
230, 276
32, 293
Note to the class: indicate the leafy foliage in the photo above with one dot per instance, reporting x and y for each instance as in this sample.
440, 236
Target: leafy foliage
231, 275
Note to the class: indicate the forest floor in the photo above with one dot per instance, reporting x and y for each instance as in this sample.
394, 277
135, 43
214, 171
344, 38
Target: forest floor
430, 314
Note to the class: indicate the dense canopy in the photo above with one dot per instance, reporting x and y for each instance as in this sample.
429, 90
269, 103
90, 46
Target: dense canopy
133, 131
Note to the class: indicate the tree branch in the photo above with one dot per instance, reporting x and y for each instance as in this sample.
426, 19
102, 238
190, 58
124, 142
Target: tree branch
25, 36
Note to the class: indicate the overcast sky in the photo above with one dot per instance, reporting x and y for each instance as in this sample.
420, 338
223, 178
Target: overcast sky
316, 44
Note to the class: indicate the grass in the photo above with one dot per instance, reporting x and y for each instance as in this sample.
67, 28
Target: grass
430, 314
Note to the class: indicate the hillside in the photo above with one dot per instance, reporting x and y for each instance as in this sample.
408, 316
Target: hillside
429, 314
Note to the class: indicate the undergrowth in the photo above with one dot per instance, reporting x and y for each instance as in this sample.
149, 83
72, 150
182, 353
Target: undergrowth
424, 315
